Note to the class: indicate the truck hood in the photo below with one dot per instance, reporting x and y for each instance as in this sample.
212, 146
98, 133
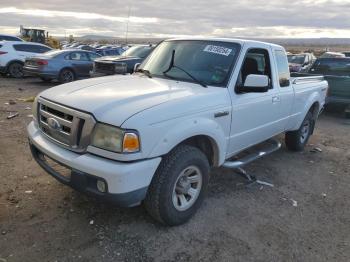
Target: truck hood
113, 99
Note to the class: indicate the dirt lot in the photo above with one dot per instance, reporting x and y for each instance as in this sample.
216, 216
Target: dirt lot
42, 220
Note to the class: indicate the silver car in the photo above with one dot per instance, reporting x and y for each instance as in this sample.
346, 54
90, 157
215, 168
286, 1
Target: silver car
63, 65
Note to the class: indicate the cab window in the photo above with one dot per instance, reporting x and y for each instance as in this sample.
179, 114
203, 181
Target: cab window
282, 68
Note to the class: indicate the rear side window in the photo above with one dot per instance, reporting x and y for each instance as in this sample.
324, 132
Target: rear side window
31, 48
282, 68
79, 56
335, 66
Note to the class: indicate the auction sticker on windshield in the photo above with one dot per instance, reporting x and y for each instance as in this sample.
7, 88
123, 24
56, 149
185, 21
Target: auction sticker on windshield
218, 50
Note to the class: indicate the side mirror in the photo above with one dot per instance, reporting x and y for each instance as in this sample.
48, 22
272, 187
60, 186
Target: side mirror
136, 66
255, 84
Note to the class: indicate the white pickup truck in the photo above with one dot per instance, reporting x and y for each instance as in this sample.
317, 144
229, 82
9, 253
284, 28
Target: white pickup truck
153, 136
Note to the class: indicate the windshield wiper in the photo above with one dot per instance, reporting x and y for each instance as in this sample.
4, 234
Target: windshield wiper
145, 72
172, 65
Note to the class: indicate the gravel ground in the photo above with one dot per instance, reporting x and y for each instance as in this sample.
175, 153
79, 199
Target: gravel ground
304, 217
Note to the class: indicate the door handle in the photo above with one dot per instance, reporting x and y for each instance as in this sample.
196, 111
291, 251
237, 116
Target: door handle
276, 99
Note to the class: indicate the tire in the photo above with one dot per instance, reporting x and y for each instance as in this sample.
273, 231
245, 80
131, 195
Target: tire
168, 199
15, 69
66, 76
296, 140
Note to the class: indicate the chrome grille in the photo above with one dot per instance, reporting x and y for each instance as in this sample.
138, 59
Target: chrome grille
67, 127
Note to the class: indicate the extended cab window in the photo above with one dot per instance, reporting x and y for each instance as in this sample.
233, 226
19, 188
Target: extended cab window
331, 66
256, 62
282, 68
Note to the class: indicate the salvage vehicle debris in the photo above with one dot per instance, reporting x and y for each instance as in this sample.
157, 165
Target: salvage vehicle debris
152, 136
316, 149
12, 115
28, 99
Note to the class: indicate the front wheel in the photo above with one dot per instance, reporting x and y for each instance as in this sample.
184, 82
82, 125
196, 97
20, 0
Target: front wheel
296, 140
179, 186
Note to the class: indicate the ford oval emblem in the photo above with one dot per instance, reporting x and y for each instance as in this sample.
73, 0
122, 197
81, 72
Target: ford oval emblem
54, 124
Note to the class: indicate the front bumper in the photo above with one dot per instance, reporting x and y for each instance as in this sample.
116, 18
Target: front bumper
127, 183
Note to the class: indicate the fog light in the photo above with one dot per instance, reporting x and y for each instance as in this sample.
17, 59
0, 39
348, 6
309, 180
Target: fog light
101, 186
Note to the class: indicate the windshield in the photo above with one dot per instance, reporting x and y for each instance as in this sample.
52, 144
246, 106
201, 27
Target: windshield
139, 51
296, 59
208, 61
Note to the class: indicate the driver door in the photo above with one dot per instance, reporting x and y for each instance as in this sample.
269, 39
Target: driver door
254, 115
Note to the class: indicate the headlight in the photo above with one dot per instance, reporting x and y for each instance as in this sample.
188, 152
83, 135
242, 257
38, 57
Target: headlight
115, 139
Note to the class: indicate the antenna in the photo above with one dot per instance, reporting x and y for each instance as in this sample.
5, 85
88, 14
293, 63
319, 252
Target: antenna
127, 27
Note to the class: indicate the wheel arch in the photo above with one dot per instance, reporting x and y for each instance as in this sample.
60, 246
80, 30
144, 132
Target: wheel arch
204, 135
207, 145
68, 68
13, 61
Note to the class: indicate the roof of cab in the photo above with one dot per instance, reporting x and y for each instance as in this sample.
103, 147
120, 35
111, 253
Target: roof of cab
231, 40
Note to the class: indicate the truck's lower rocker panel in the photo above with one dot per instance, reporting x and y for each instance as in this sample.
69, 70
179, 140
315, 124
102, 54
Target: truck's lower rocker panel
238, 164
87, 183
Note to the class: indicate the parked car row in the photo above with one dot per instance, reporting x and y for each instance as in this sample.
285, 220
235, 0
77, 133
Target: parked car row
14, 53
337, 72
18, 58
63, 65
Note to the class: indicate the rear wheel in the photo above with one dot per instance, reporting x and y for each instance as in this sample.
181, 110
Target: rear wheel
15, 70
66, 75
179, 186
296, 140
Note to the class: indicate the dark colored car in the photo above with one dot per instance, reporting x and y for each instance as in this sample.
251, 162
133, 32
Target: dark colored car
123, 63
64, 65
300, 62
337, 72
110, 51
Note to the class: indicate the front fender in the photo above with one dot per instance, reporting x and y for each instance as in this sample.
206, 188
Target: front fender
189, 128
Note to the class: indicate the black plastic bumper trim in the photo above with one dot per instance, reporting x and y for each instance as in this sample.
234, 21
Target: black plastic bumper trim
86, 183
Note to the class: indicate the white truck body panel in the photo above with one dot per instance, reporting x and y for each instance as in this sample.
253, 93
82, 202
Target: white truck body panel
166, 112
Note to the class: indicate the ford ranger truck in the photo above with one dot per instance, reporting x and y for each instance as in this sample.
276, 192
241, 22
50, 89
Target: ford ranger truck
152, 137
